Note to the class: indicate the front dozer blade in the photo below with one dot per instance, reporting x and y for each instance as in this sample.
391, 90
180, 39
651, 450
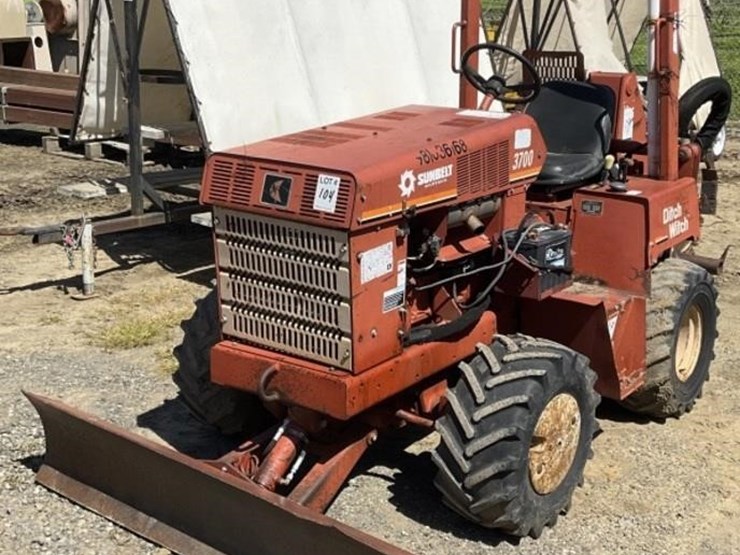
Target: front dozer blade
179, 502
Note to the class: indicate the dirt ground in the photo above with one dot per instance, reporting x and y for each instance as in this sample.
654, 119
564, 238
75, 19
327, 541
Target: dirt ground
652, 487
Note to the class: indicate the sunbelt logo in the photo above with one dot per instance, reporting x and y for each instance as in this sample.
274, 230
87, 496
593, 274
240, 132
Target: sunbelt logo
429, 178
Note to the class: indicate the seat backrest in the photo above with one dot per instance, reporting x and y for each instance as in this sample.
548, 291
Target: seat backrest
574, 118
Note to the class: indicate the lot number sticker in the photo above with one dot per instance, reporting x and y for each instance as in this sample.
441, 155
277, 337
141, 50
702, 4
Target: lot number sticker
327, 191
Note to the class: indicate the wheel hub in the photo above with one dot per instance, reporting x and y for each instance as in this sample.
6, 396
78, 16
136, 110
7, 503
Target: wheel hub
688, 343
554, 443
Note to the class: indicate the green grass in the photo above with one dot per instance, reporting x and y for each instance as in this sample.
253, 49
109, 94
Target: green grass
725, 24
137, 331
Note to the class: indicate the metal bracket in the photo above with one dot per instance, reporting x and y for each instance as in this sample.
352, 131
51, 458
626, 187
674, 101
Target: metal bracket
152, 194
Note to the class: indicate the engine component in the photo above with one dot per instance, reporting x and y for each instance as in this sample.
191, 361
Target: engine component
547, 248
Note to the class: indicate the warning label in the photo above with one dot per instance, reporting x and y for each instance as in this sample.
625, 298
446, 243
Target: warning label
376, 262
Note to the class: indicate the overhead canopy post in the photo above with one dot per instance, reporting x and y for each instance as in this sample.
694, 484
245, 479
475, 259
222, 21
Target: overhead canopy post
135, 164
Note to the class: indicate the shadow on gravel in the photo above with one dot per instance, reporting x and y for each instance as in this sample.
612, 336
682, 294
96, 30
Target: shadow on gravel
184, 249
173, 422
613, 411
32, 462
21, 137
413, 492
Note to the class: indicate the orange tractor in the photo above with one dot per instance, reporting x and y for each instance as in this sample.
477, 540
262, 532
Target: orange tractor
488, 275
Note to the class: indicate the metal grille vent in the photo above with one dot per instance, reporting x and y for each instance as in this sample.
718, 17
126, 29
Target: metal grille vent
397, 115
317, 138
483, 170
270, 232
285, 286
463, 122
231, 181
361, 126
309, 192
557, 65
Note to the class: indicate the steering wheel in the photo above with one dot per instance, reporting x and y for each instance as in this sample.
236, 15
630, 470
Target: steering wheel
496, 85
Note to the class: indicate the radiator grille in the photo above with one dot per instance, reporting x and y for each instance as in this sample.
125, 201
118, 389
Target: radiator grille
483, 170
285, 286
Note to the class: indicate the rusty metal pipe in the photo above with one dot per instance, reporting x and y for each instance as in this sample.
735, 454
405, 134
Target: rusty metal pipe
714, 266
415, 419
482, 210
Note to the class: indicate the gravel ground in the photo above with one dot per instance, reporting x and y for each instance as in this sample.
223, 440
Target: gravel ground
35, 520
652, 488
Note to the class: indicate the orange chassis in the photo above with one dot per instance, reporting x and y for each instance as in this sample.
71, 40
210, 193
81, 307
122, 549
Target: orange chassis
617, 237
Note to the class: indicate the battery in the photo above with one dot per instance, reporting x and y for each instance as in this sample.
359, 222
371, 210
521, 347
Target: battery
546, 248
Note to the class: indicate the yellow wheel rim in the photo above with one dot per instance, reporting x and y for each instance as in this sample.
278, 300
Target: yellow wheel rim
688, 343
554, 443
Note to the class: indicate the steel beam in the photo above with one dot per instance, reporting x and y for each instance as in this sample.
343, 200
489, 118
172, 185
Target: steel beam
135, 162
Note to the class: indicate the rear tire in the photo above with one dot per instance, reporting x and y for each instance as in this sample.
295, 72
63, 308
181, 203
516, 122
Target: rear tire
516, 434
681, 331
229, 410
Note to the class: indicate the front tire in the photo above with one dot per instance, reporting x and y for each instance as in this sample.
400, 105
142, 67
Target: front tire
229, 410
681, 331
516, 434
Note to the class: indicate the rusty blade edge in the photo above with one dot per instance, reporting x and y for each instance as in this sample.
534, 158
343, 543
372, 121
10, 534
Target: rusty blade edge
121, 514
176, 501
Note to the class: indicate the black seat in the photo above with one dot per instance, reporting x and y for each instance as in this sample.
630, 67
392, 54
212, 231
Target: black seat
576, 121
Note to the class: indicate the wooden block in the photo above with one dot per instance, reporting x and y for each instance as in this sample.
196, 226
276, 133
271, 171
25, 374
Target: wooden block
36, 78
38, 97
14, 114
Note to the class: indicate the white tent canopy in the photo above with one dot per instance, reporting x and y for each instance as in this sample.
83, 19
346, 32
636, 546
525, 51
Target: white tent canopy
593, 30
268, 67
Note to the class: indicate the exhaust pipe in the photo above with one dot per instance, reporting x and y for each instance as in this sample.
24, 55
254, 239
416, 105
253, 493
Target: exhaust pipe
714, 266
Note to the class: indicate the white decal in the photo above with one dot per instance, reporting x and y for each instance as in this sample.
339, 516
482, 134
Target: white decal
436, 176
523, 159
674, 218
327, 191
522, 138
407, 184
401, 277
612, 324
628, 123
376, 262
484, 114
428, 178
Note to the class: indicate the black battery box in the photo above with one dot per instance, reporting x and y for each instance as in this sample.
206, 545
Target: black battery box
546, 248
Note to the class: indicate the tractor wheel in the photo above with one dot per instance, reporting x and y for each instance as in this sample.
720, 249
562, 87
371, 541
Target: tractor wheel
516, 434
681, 329
229, 410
